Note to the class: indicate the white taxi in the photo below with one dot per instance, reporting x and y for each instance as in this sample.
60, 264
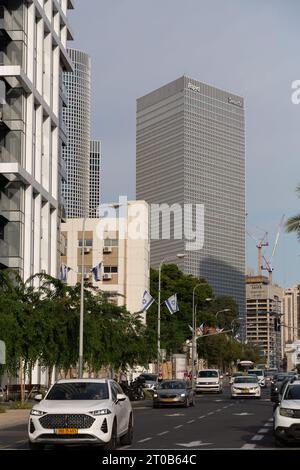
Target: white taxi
245, 386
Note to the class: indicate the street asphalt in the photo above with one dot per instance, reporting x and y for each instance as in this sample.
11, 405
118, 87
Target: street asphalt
216, 422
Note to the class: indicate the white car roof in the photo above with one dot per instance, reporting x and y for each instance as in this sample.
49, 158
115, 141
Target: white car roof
65, 381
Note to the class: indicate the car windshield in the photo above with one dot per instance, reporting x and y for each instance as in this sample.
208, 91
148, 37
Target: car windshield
179, 385
292, 392
208, 373
78, 391
245, 380
256, 372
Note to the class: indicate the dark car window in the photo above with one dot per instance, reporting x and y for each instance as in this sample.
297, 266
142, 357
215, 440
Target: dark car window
245, 380
292, 392
173, 385
148, 377
208, 373
78, 391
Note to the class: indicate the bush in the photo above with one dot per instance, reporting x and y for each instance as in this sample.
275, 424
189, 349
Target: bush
18, 405
2, 409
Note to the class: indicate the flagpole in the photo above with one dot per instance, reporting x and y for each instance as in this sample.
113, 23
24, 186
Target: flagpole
194, 343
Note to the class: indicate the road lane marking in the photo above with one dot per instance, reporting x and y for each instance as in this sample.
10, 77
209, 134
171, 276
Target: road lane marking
269, 425
162, 433
195, 444
210, 413
203, 416
248, 446
179, 426
263, 431
191, 421
220, 409
145, 440
257, 438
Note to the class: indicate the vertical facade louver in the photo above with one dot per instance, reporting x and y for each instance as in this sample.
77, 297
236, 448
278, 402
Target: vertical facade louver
33, 56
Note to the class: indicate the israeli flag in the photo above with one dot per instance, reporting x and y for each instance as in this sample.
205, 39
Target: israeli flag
147, 301
199, 330
97, 272
63, 275
172, 304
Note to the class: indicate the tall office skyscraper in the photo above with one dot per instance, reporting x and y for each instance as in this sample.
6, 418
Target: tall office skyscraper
77, 116
191, 150
95, 178
33, 56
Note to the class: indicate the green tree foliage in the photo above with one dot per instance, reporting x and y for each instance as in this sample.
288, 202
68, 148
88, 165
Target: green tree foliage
218, 350
42, 324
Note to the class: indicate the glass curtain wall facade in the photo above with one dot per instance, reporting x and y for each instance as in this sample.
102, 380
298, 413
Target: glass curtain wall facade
191, 150
33, 38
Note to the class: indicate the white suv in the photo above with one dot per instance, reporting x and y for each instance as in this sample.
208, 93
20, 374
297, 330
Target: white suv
209, 380
287, 415
81, 411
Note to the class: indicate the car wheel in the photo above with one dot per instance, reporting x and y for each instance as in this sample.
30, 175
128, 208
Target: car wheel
112, 444
155, 405
35, 446
221, 390
232, 397
186, 403
193, 401
128, 437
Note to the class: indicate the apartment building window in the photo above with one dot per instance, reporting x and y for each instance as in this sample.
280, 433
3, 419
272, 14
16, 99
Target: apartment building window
113, 242
87, 242
111, 269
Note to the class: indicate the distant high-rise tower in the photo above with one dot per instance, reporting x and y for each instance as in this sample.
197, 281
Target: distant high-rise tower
191, 150
77, 116
95, 178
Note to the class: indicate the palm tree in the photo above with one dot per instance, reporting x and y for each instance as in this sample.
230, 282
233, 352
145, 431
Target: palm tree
293, 223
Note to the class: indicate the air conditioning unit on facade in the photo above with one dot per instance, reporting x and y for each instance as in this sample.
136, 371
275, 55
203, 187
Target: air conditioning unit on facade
106, 277
107, 249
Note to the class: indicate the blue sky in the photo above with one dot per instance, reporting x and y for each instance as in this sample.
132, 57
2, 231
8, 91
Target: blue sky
247, 47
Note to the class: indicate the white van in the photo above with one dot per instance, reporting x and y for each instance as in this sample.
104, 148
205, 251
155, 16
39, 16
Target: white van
209, 380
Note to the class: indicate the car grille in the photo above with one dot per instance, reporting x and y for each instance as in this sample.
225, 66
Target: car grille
169, 395
66, 437
66, 421
296, 413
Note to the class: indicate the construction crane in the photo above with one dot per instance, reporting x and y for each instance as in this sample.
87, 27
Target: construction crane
268, 267
259, 245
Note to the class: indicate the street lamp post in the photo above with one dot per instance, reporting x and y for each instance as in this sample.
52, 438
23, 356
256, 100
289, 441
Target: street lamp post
80, 372
80, 361
179, 255
194, 331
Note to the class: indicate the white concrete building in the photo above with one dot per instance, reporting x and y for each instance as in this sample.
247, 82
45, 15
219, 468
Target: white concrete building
291, 314
33, 56
120, 244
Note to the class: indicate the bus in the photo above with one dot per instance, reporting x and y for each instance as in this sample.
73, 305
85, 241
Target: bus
244, 366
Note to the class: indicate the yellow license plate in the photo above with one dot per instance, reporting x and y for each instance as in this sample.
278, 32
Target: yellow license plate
66, 431
168, 400
246, 390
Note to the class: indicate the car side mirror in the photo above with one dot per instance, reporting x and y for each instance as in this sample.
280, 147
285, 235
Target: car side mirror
121, 397
38, 397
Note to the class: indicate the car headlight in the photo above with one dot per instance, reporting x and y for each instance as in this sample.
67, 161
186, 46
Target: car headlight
182, 394
155, 395
34, 412
234, 389
286, 412
104, 411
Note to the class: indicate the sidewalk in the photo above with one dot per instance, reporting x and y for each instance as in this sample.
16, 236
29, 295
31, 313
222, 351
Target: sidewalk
13, 418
